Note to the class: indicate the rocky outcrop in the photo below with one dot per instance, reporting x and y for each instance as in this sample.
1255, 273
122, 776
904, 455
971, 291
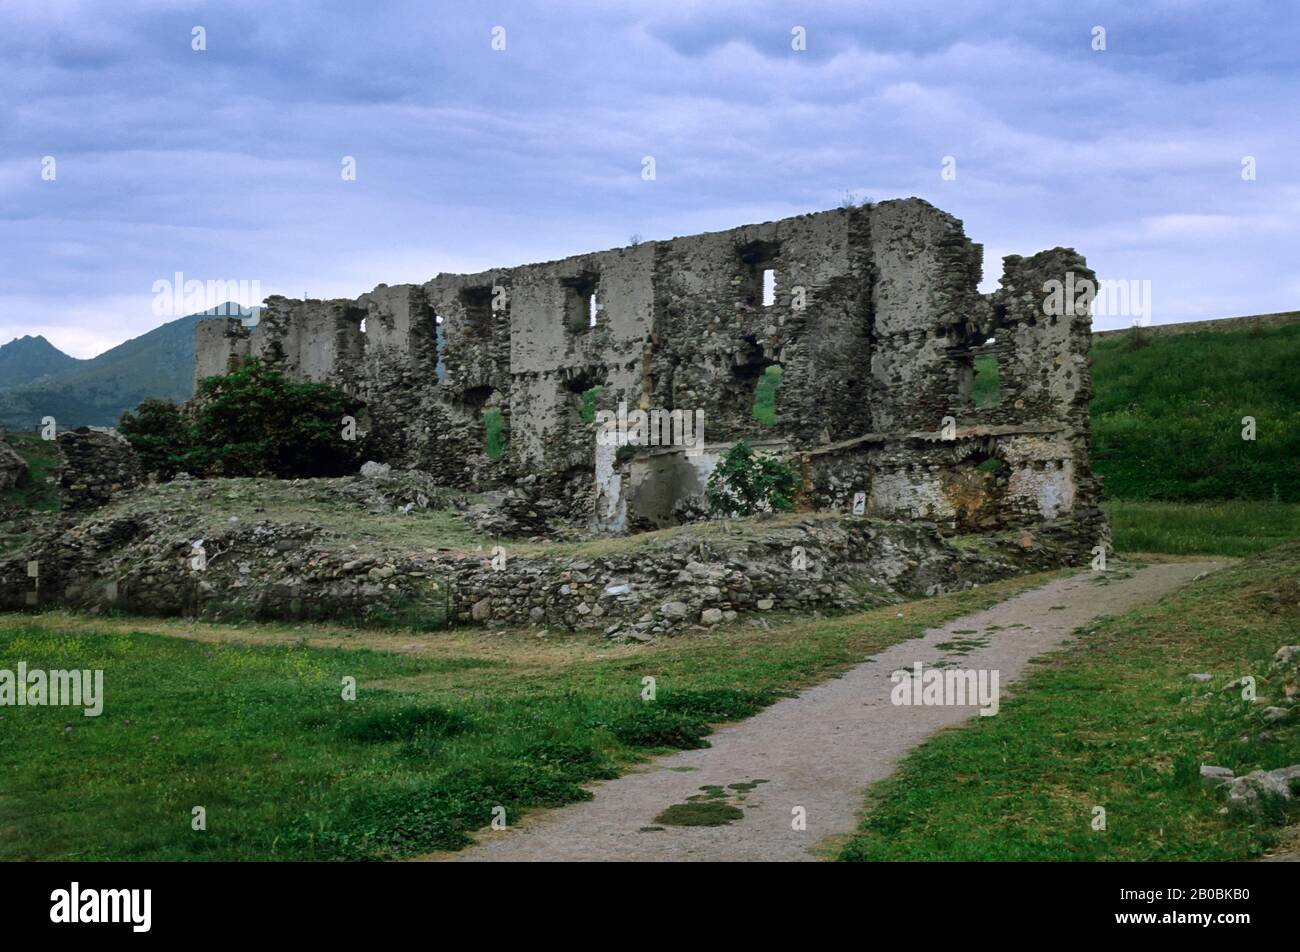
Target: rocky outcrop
1248, 794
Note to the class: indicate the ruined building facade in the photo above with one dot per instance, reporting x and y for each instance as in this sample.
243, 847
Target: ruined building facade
872, 313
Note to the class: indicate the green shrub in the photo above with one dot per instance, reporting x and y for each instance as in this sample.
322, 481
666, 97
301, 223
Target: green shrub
160, 435
745, 482
252, 421
589, 403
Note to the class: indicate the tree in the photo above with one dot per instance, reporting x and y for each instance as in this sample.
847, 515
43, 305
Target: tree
160, 435
252, 421
745, 482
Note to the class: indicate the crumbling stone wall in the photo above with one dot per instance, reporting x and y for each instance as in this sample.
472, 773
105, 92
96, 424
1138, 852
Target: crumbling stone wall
875, 321
269, 571
95, 464
12, 467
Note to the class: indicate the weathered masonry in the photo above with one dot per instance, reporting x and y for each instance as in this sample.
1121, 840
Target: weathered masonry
872, 315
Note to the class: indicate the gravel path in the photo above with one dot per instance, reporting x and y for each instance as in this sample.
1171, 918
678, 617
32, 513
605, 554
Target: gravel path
820, 750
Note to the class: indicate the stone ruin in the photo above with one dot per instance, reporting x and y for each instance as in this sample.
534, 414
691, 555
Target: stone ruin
872, 314
12, 467
500, 384
96, 463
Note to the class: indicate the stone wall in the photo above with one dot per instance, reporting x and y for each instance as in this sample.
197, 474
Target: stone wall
95, 464
12, 467
875, 321
268, 571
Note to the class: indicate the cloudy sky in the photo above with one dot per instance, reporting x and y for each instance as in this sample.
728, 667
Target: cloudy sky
226, 163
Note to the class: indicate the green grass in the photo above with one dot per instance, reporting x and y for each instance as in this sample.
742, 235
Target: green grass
986, 391
207, 506
1235, 528
1110, 721
494, 425
32, 491
1167, 415
258, 733
700, 814
764, 409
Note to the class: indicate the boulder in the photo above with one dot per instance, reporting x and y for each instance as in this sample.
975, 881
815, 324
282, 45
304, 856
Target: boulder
1213, 776
1245, 793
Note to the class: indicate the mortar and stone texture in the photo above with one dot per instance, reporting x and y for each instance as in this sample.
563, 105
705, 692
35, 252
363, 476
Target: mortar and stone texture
874, 317
122, 557
875, 320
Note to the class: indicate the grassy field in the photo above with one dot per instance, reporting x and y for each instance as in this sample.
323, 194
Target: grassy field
250, 724
1236, 528
1112, 721
1167, 415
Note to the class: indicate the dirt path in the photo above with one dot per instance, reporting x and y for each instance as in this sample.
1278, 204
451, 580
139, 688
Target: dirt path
820, 750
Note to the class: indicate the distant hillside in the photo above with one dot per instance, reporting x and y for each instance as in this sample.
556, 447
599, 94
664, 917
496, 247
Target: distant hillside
1167, 411
27, 359
96, 391
1244, 323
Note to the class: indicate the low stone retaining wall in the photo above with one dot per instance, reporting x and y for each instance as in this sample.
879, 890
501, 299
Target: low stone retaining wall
699, 575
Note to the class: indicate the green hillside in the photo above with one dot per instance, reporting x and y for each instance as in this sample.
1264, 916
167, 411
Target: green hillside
94, 392
28, 359
1167, 415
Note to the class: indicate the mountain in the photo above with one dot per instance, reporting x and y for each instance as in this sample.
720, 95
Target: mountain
94, 392
27, 359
